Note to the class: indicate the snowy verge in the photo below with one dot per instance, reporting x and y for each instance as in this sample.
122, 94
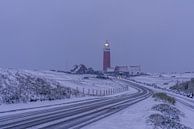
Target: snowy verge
167, 115
133, 117
184, 104
35, 106
136, 116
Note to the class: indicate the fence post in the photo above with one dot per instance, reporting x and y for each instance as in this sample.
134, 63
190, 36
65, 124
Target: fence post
70, 92
84, 91
77, 89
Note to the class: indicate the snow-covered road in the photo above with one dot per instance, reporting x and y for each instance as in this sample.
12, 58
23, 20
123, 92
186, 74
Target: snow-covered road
75, 115
136, 116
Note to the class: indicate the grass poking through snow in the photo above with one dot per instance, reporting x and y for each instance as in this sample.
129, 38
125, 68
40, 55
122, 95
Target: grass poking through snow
164, 97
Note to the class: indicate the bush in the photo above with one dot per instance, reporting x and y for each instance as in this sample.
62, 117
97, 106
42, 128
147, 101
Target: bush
29, 88
162, 122
168, 118
169, 111
185, 87
192, 80
164, 97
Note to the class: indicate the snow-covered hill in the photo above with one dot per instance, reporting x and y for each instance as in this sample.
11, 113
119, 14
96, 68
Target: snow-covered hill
18, 86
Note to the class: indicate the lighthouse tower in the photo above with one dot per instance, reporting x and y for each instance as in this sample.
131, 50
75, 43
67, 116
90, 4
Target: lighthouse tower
106, 57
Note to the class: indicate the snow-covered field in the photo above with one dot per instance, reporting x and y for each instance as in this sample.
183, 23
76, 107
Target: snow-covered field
77, 81
164, 80
23, 86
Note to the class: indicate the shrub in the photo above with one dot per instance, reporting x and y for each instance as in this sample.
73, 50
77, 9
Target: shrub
162, 122
164, 97
169, 111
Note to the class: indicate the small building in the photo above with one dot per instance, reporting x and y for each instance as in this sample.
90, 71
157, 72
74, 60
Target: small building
122, 70
135, 70
111, 70
128, 70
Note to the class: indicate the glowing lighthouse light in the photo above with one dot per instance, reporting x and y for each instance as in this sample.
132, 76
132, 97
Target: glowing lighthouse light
106, 45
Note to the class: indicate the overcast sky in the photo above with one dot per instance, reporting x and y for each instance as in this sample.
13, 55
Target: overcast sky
54, 34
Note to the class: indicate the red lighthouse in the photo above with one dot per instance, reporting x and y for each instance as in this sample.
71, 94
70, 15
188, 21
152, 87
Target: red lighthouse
106, 57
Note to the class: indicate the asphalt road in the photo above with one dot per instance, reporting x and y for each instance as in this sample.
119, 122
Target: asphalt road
76, 115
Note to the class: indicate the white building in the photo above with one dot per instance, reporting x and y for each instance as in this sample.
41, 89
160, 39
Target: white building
111, 70
128, 70
135, 70
122, 69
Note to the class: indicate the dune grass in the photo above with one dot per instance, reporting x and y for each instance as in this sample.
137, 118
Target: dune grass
164, 97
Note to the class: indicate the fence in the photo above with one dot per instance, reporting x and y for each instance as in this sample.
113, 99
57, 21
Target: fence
104, 92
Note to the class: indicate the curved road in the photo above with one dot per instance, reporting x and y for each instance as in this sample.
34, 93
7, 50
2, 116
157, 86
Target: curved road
75, 116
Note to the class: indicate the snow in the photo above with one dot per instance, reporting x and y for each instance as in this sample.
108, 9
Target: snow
189, 115
136, 115
187, 111
9, 109
77, 81
164, 80
133, 117
18, 86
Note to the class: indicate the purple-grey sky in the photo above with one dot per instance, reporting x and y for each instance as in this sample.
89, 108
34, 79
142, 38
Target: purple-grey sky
54, 34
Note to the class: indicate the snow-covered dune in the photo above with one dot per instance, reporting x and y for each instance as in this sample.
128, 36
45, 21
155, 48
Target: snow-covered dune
18, 86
